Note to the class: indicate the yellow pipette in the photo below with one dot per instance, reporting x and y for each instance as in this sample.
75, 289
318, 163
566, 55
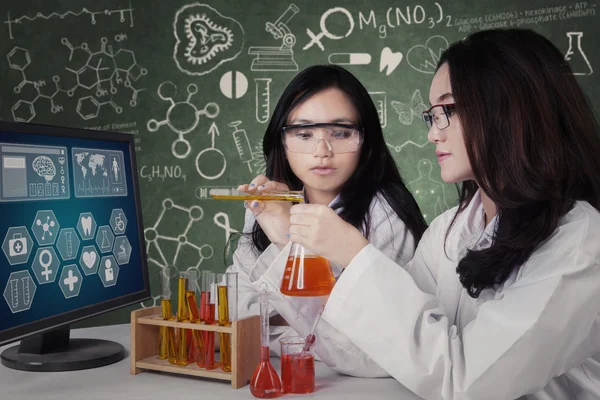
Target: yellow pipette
266, 195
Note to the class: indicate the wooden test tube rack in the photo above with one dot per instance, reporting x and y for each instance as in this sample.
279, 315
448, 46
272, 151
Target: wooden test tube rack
245, 347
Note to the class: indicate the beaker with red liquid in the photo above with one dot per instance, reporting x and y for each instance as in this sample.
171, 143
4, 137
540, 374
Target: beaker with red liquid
297, 366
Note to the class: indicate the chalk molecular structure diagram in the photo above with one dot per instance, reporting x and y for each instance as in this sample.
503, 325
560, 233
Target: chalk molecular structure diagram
154, 238
155, 242
182, 116
101, 71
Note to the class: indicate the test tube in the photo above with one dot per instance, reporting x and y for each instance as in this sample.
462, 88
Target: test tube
182, 316
262, 99
275, 195
196, 345
210, 288
203, 296
167, 342
227, 285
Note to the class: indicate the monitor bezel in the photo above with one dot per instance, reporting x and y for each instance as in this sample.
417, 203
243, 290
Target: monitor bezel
40, 326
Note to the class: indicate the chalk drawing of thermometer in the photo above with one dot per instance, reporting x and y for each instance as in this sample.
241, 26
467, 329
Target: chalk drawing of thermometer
242, 144
263, 99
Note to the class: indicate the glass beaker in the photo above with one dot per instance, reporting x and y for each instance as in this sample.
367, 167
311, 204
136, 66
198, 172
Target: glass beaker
306, 274
297, 366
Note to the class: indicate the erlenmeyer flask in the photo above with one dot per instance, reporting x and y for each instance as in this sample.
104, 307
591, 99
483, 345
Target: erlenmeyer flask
306, 274
575, 55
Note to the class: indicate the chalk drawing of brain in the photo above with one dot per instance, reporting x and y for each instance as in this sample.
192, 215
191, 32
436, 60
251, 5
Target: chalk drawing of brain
205, 39
44, 167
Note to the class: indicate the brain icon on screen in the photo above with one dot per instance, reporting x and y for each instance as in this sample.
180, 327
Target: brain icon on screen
44, 167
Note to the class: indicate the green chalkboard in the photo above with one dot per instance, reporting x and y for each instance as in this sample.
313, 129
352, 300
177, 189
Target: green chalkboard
195, 82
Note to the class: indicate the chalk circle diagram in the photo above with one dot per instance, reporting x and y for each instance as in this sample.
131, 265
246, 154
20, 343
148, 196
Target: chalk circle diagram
212, 152
205, 39
424, 58
207, 154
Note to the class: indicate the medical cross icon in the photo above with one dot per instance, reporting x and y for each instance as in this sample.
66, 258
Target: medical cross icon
71, 280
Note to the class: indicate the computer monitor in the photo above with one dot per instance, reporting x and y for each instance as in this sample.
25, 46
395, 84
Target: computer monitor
72, 242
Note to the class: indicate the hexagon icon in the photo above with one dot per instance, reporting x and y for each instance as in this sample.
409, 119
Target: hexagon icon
122, 250
23, 111
70, 281
89, 260
18, 58
17, 245
45, 227
118, 221
86, 226
19, 291
45, 265
108, 271
88, 107
68, 244
124, 59
105, 239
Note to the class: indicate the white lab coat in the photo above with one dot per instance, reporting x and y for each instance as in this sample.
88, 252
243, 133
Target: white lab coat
388, 234
537, 336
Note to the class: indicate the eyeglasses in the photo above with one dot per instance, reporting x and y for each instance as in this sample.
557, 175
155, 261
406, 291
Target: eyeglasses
440, 117
340, 138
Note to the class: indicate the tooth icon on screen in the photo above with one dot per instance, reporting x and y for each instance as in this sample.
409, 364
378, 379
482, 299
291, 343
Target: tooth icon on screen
86, 224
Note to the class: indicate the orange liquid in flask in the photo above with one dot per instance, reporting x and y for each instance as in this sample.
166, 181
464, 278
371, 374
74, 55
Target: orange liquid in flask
309, 275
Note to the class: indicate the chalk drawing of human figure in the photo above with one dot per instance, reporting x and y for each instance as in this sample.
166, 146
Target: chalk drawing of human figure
428, 192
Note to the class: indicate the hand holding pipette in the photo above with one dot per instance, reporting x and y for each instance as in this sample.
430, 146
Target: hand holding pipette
272, 216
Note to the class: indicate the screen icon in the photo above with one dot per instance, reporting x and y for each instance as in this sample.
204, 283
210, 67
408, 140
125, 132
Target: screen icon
17, 245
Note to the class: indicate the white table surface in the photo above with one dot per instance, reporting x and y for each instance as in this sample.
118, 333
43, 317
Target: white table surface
114, 382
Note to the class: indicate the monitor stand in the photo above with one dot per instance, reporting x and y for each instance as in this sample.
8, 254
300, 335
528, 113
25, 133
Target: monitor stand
55, 351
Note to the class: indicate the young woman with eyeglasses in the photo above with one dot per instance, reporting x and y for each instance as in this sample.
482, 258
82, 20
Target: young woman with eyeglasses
324, 138
502, 298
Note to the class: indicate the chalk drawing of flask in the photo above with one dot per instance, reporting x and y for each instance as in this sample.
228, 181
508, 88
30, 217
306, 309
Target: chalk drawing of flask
575, 55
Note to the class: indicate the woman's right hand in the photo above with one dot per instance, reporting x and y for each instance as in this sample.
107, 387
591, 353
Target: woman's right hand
272, 216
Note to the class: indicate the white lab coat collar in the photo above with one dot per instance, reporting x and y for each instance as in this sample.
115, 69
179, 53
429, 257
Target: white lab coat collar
470, 228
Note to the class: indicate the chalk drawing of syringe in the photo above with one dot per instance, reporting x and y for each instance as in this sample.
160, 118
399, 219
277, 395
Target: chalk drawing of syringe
242, 144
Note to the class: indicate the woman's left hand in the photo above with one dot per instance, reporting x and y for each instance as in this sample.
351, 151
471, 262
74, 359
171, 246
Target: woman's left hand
322, 231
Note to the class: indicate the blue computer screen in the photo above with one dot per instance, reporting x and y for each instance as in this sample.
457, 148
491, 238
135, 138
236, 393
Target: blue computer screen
68, 225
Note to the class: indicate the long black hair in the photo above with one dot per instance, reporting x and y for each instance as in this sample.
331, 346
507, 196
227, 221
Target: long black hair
376, 171
532, 141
